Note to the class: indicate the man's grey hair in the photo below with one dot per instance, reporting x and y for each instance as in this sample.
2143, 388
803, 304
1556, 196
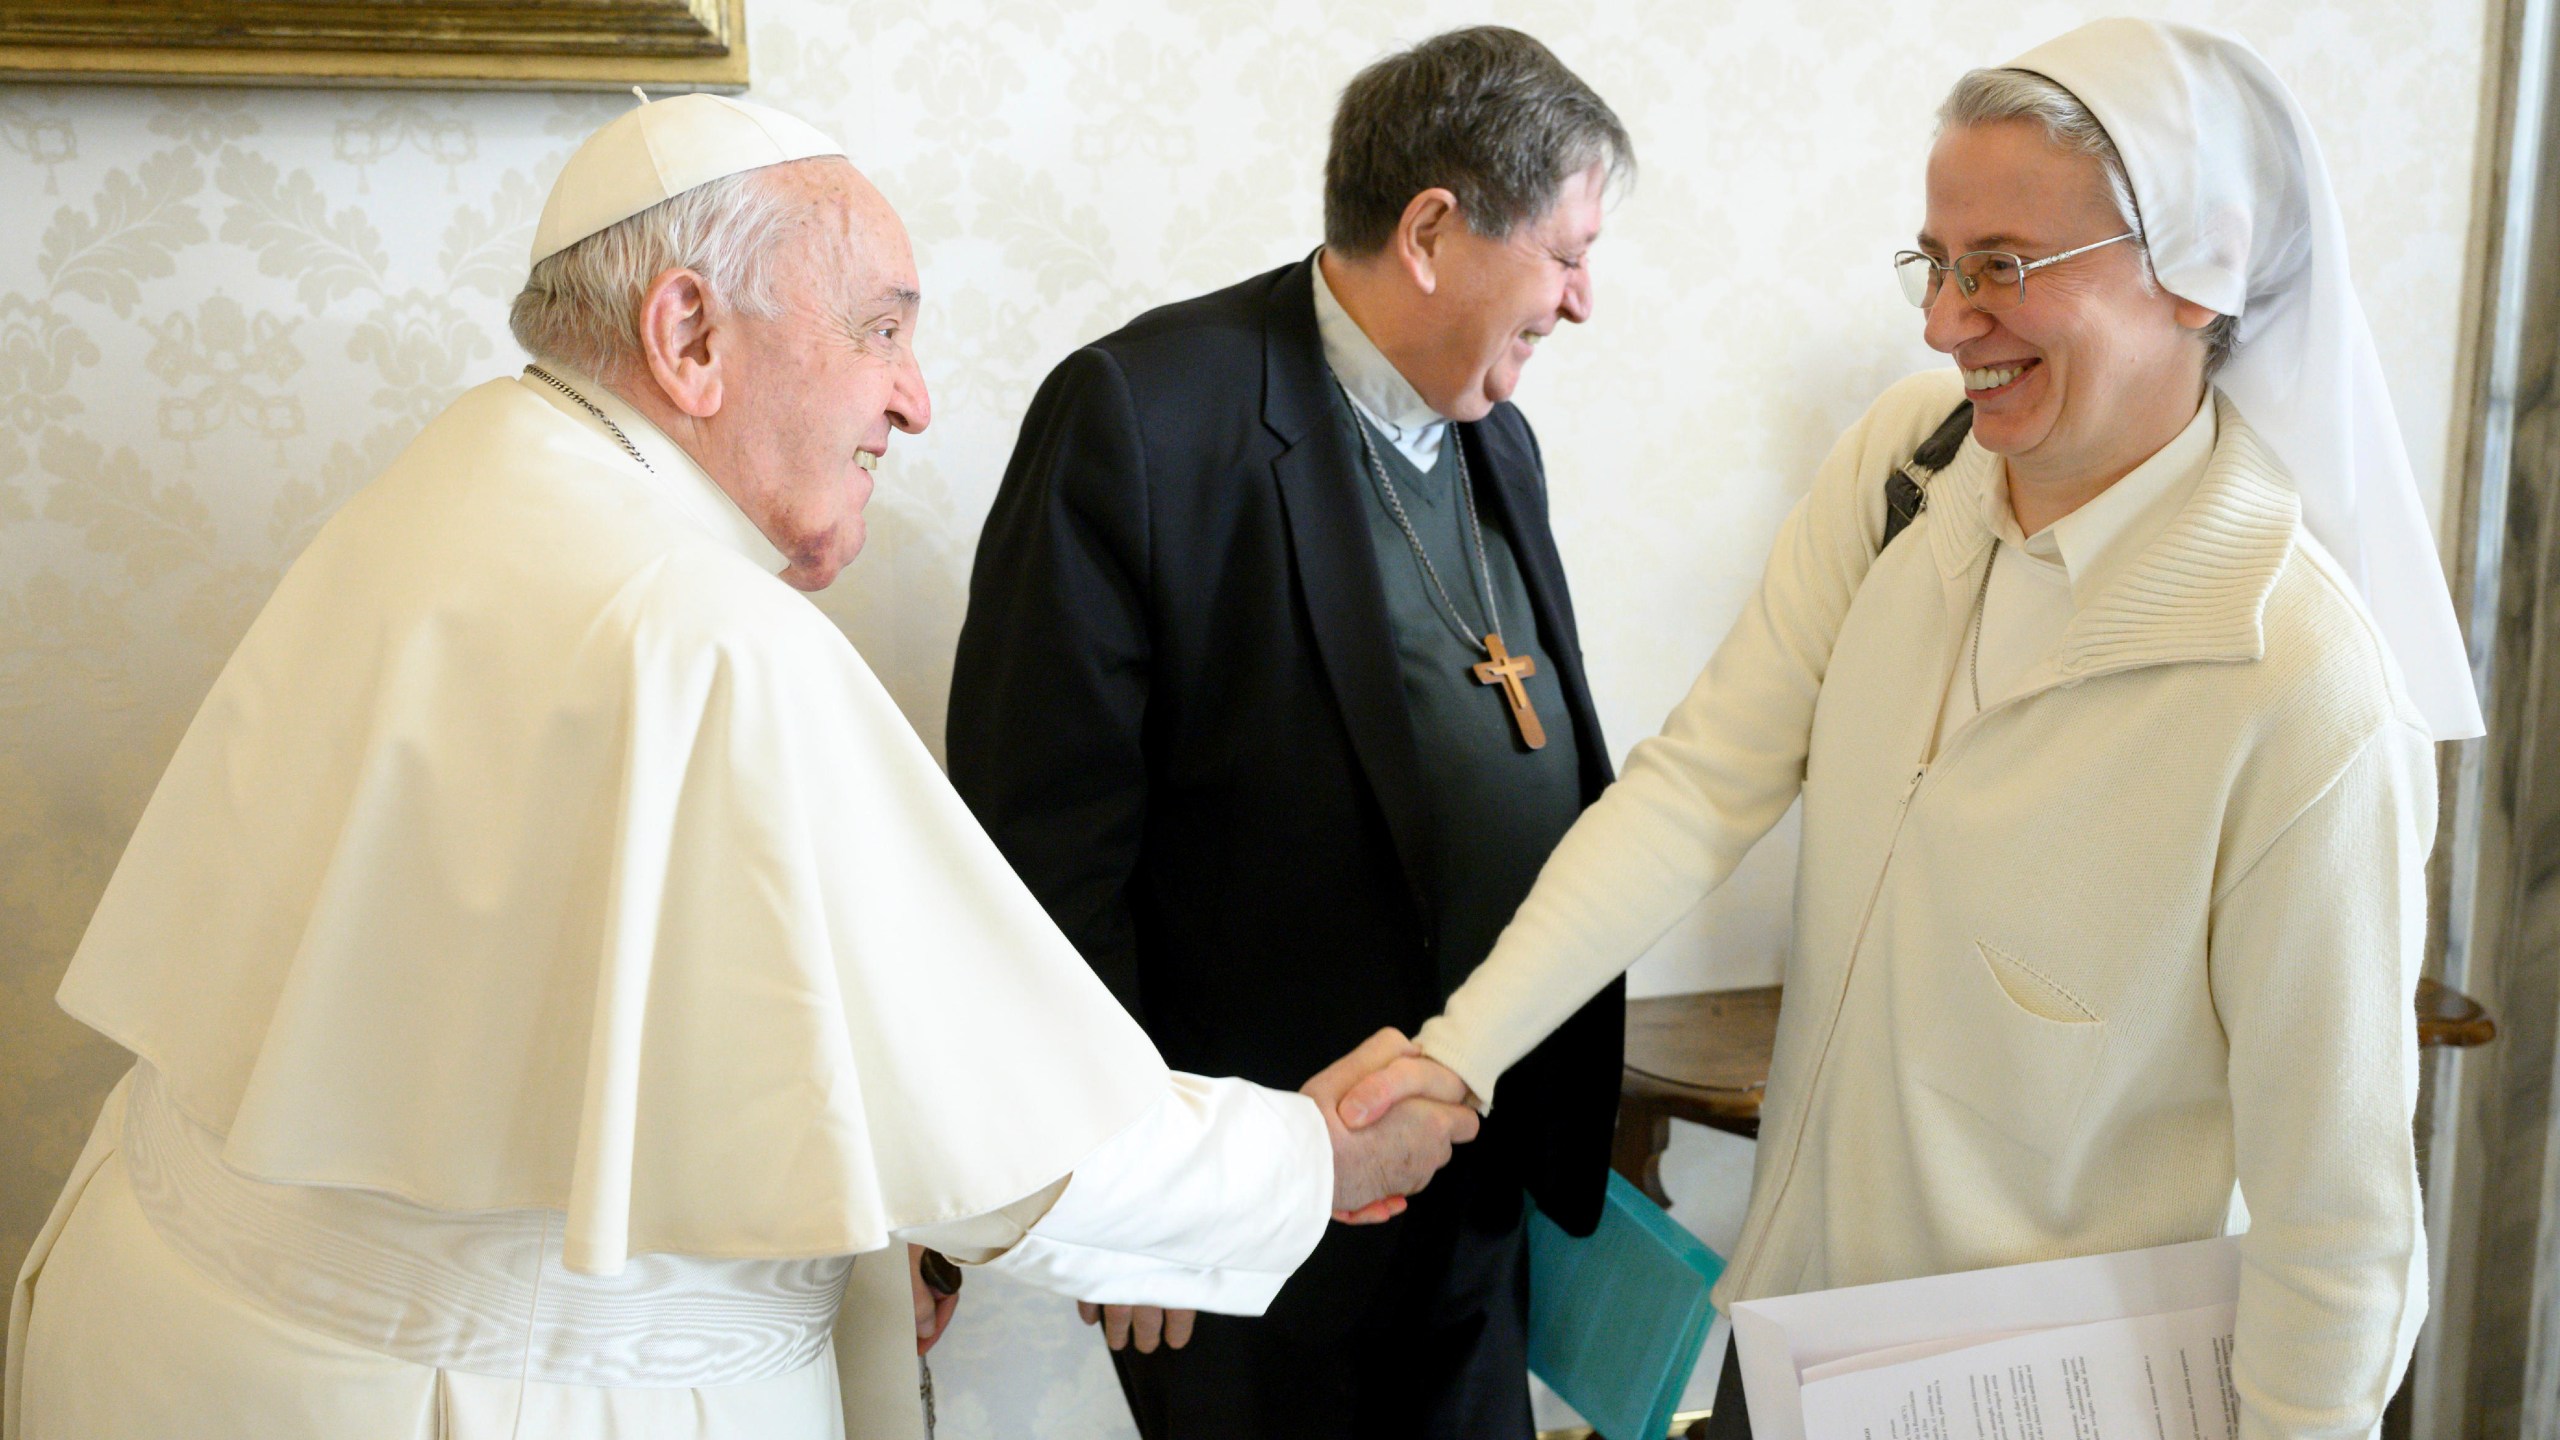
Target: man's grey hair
1487, 113
1985, 97
581, 307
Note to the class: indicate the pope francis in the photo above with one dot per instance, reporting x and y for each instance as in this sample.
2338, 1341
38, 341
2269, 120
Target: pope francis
559, 979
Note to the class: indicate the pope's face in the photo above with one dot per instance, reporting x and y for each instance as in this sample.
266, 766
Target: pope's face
813, 393
1493, 300
2097, 366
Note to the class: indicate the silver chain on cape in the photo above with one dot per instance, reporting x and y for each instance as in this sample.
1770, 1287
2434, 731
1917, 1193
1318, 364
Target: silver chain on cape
1447, 609
583, 403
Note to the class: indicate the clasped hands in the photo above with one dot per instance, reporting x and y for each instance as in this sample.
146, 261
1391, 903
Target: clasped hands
1395, 1116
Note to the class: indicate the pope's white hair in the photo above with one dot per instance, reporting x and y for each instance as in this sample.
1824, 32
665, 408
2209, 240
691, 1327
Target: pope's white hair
1985, 97
581, 307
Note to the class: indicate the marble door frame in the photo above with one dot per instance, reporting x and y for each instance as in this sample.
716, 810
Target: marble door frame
2488, 1362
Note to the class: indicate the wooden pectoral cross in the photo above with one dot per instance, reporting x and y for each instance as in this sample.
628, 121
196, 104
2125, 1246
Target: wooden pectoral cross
1508, 670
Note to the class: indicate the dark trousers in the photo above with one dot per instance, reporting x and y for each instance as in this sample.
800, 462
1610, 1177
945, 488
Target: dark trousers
1731, 1419
1416, 1329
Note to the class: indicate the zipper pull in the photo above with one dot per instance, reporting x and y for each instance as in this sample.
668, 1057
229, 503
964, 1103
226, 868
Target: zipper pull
1913, 788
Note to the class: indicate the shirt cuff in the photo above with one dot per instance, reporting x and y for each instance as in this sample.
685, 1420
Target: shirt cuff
1210, 1202
1442, 1042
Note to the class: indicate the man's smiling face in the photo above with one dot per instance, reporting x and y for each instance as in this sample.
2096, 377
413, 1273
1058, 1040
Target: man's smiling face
1495, 299
815, 391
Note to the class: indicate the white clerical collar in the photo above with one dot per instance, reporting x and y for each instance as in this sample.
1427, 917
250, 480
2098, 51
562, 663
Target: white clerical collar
2093, 543
678, 476
1378, 390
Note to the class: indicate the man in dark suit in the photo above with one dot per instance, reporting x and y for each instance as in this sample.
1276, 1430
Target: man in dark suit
1270, 689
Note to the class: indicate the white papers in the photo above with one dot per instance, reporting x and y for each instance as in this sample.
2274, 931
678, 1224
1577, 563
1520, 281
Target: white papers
1895, 1355
2150, 1377
1854, 1346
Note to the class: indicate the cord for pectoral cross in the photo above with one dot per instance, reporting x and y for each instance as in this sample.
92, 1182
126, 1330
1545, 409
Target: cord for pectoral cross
1447, 609
1500, 668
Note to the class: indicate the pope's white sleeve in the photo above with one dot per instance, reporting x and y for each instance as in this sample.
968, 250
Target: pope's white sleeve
1208, 1202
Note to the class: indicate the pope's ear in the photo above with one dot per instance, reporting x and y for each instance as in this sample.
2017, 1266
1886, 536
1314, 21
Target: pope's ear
676, 342
1421, 232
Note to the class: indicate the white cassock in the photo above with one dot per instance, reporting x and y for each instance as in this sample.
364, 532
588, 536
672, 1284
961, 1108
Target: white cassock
560, 979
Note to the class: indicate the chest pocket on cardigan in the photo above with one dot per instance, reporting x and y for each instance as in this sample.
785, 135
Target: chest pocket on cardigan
2012, 1046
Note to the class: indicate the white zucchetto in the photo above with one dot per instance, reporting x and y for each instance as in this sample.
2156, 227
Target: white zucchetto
2239, 216
658, 151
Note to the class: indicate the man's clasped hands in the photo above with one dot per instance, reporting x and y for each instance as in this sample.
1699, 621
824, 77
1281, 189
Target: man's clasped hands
1395, 1116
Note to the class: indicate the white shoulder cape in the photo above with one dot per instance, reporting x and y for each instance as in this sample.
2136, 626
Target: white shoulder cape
537, 849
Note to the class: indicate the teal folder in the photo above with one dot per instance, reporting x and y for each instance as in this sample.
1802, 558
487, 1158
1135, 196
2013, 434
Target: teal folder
1616, 1319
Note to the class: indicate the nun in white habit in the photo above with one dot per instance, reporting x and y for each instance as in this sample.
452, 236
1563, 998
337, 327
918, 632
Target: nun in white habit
559, 978
2117, 764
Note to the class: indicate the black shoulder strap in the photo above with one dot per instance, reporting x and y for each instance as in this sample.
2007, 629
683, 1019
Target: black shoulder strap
1905, 496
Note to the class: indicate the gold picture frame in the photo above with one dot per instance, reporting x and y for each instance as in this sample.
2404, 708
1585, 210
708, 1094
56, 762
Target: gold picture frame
446, 44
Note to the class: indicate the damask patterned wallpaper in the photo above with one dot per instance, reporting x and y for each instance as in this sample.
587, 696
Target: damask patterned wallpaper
221, 311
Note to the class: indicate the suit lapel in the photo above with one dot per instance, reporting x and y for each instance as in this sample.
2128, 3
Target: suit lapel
1320, 493
1510, 488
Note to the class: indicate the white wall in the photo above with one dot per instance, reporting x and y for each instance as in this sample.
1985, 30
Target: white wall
221, 311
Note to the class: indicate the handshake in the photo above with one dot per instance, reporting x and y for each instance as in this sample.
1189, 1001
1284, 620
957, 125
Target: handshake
1395, 1116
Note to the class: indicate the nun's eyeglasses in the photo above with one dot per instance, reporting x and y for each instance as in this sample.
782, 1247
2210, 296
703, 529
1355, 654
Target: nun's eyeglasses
1990, 280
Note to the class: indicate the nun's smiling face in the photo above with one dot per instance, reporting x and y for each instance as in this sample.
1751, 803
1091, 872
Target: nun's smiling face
2097, 367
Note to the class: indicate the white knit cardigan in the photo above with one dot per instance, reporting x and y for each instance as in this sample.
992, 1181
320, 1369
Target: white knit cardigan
2149, 926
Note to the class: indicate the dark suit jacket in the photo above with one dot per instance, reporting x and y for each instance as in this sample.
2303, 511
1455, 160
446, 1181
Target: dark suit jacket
1177, 709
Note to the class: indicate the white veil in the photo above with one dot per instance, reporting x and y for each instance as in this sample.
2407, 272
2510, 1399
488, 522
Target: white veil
2239, 216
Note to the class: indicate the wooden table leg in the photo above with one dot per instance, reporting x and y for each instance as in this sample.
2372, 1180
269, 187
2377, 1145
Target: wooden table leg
1644, 1132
